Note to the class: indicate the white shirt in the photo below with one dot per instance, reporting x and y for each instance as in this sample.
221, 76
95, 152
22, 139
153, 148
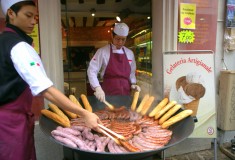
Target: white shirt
100, 62
29, 66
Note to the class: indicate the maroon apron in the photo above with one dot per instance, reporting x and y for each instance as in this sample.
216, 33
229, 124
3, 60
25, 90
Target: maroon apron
17, 129
116, 80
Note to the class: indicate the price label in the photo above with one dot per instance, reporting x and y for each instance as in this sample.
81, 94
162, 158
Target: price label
186, 36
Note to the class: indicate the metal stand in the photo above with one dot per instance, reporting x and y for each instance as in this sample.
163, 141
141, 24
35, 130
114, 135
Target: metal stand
233, 145
163, 154
215, 149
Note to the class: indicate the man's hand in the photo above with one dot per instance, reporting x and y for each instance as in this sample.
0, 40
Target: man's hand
136, 87
99, 93
91, 120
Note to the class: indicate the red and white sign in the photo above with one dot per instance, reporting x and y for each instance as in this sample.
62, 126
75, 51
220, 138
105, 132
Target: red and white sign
189, 80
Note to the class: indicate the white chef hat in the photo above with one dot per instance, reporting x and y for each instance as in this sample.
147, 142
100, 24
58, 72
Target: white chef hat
121, 29
6, 4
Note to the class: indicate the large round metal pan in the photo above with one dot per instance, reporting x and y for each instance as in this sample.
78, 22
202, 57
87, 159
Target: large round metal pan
181, 131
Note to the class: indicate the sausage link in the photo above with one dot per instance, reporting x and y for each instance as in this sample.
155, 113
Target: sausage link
129, 147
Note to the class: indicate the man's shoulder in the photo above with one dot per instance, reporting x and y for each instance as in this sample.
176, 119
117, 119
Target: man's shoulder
104, 48
9, 36
128, 50
9, 39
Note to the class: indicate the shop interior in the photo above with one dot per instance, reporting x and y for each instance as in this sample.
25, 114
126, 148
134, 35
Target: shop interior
86, 26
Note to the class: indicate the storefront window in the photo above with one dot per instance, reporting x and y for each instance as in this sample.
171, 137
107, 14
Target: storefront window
83, 34
143, 52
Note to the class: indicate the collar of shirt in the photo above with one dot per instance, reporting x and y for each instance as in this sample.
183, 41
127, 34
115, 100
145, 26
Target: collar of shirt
22, 34
118, 51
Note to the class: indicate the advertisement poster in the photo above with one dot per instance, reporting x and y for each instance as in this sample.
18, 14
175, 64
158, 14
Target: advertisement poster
35, 36
189, 80
187, 15
230, 14
203, 37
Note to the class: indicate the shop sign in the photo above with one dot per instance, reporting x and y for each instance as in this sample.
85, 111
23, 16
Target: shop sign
35, 36
205, 22
186, 36
189, 80
187, 15
230, 15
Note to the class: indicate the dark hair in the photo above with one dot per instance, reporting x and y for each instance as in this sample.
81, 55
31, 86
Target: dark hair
114, 34
17, 6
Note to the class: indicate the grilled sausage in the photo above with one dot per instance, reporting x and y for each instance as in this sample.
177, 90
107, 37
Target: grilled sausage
65, 141
111, 147
87, 134
80, 143
146, 144
129, 146
69, 130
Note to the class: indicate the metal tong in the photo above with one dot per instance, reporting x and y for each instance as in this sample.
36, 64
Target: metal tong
108, 133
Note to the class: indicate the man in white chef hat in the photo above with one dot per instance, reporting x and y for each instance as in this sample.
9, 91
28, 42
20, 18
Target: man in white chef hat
6, 4
116, 64
22, 77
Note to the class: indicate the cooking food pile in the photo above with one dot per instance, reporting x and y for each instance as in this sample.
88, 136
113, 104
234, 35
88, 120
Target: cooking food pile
140, 128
